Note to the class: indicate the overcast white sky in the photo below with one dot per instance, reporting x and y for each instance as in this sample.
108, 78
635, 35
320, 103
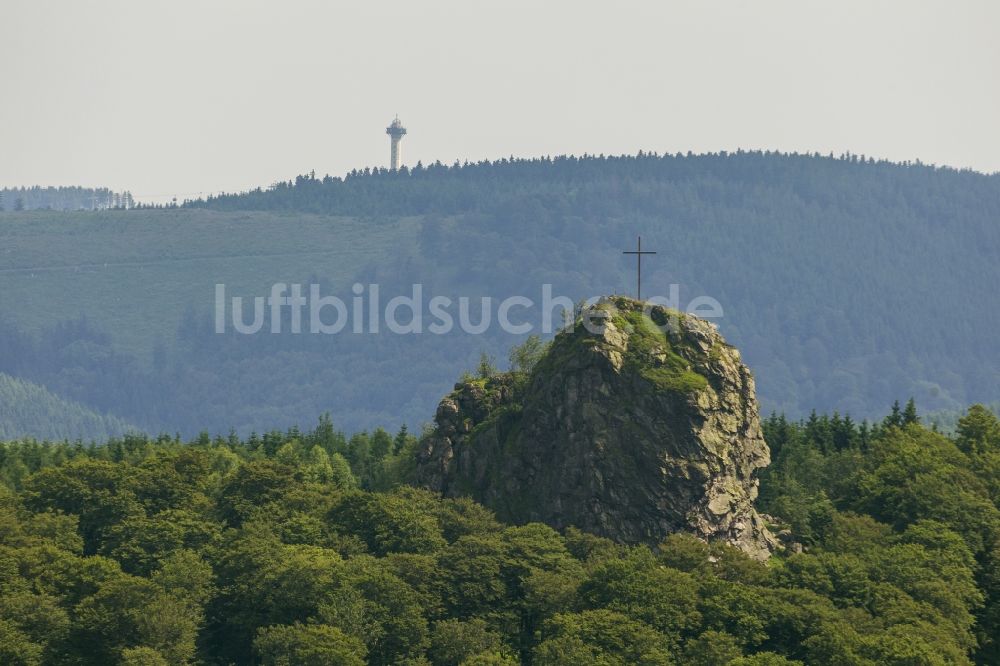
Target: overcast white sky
186, 96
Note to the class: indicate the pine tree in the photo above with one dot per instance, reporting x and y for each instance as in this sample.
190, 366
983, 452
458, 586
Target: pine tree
402, 437
895, 419
864, 434
910, 416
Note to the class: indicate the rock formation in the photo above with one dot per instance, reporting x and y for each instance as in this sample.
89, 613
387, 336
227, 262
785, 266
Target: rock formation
637, 422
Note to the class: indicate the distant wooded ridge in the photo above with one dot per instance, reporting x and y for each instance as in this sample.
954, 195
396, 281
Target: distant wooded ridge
846, 283
38, 197
357, 192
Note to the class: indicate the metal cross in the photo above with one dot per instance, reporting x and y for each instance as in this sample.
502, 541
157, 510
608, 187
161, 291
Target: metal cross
638, 252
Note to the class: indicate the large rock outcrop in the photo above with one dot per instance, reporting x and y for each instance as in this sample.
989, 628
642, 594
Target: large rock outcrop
633, 425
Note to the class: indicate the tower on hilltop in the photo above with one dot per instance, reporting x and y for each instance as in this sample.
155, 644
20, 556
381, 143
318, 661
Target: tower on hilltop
396, 131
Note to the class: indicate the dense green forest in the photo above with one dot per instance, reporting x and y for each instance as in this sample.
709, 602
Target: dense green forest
309, 548
29, 408
946, 421
845, 282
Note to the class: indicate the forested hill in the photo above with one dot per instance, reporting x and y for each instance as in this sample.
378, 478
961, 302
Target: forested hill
846, 281
591, 186
27, 409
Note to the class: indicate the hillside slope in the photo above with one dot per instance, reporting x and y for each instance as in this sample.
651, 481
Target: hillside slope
846, 283
27, 409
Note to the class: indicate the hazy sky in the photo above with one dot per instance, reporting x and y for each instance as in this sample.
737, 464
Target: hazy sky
181, 96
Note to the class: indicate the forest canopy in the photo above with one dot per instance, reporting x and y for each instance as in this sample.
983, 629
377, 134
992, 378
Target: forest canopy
308, 547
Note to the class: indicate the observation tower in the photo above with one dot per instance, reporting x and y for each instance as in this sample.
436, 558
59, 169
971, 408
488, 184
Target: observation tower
396, 131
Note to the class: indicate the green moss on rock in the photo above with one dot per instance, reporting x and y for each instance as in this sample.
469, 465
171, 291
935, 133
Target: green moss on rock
651, 354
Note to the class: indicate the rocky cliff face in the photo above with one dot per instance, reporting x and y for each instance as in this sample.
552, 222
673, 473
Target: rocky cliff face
633, 425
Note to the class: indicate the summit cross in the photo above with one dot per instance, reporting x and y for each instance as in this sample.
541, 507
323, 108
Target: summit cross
638, 252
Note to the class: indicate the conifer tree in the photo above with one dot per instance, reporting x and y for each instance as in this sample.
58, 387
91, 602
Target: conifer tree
895, 418
399, 442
